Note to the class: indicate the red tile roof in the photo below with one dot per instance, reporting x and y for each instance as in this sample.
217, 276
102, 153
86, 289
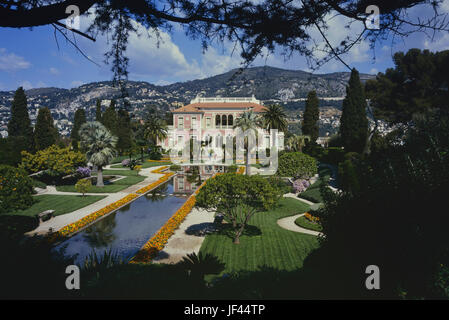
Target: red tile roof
201, 107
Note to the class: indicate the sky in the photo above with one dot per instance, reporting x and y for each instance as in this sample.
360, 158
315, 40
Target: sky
34, 59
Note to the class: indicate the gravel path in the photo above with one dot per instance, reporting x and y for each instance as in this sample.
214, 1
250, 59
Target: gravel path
288, 223
180, 243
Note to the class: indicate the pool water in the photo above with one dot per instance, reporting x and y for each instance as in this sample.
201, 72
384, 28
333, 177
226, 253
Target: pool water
128, 229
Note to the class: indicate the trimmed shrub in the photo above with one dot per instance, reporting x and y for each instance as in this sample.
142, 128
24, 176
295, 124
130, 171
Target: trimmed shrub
57, 161
175, 167
296, 164
83, 186
16, 189
231, 169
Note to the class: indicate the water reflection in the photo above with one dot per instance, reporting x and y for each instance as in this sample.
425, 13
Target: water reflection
128, 229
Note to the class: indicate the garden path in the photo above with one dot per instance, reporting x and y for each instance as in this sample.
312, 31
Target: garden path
288, 223
180, 243
61, 221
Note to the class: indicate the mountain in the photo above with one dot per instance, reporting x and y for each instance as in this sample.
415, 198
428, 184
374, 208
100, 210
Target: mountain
266, 83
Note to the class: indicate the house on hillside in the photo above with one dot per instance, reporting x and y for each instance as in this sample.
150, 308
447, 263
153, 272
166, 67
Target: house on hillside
211, 120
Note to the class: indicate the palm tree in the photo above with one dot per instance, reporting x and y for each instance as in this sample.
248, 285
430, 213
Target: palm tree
155, 129
274, 117
248, 121
100, 145
297, 142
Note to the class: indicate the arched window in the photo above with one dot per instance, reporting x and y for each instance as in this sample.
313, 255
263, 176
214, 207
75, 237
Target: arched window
218, 141
217, 120
224, 120
230, 120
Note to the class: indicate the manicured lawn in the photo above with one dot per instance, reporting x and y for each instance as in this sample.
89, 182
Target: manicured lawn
119, 185
121, 158
268, 245
146, 164
60, 203
306, 224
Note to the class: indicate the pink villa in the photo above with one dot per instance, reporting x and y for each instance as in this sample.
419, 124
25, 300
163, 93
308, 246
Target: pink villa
212, 119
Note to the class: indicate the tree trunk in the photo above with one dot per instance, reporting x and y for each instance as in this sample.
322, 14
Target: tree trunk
100, 177
248, 167
141, 154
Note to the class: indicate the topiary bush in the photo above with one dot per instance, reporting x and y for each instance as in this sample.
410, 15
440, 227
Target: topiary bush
297, 164
16, 189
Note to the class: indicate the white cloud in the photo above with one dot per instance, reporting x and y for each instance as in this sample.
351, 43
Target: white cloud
445, 6
441, 43
76, 83
54, 71
11, 61
26, 85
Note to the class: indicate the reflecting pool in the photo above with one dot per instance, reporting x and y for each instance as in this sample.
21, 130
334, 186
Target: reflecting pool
128, 229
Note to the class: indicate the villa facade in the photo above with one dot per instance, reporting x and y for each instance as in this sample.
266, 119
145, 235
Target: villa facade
212, 120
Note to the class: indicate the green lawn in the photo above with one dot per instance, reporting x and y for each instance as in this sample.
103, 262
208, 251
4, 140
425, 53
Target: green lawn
60, 203
306, 224
119, 185
146, 164
273, 246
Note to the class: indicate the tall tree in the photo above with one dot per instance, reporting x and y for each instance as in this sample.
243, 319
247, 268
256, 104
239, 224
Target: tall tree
415, 86
238, 198
20, 124
80, 119
155, 129
310, 125
353, 122
109, 118
45, 133
98, 115
248, 121
100, 145
124, 133
274, 117
295, 142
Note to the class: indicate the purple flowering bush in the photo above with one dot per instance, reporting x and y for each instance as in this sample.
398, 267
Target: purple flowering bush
300, 185
125, 163
83, 172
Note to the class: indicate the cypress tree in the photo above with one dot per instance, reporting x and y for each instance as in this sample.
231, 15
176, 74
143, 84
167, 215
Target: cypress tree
20, 124
311, 116
98, 111
109, 118
353, 121
45, 134
80, 118
124, 133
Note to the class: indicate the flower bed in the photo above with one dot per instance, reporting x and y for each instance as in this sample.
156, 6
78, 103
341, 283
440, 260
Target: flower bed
162, 160
83, 222
160, 169
160, 239
311, 218
155, 184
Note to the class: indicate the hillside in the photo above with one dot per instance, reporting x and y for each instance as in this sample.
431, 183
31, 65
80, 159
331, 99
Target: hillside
266, 83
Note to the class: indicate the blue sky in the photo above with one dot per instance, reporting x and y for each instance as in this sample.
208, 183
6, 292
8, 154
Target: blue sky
32, 59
